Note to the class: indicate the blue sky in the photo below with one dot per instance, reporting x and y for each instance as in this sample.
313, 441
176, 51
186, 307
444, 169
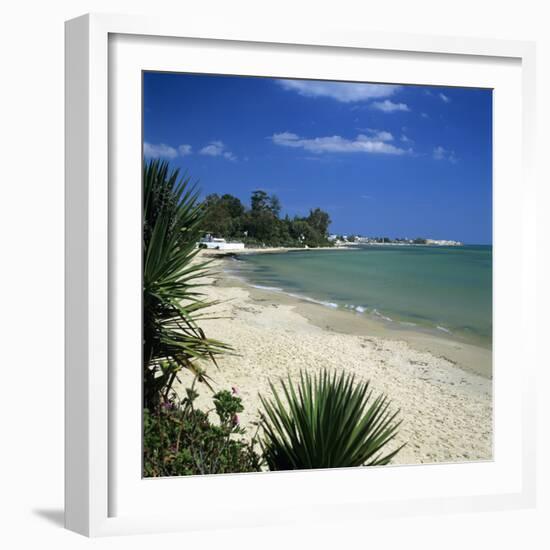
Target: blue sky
382, 160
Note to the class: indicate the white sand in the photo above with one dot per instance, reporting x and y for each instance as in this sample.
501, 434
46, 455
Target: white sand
446, 411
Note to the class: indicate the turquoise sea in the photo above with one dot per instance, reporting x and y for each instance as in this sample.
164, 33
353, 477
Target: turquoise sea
444, 289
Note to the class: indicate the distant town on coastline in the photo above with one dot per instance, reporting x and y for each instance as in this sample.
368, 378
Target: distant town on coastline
230, 225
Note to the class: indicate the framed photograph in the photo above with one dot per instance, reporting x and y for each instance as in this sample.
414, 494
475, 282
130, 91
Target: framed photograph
297, 274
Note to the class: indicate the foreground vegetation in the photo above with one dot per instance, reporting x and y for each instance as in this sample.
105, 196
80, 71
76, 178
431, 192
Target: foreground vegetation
179, 439
172, 301
325, 421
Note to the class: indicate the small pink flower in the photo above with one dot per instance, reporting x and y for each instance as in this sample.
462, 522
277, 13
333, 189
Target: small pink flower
235, 420
234, 390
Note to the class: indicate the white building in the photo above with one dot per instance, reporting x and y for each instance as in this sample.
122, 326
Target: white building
219, 244
443, 242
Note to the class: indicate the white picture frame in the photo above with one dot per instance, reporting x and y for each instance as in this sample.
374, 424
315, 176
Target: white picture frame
104, 494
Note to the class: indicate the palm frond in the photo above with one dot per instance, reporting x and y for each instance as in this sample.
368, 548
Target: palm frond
327, 421
172, 277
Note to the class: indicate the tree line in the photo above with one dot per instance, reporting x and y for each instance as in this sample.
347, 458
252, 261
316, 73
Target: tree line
261, 224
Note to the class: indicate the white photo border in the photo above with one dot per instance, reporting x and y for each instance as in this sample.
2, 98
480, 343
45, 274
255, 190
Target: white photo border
104, 491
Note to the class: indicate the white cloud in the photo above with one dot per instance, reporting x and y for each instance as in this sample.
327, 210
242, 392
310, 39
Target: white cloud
406, 139
373, 133
376, 142
441, 95
217, 149
160, 150
424, 115
166, 151
346, 92
440, 153
213, 149
381, 135
388, 106
185, 149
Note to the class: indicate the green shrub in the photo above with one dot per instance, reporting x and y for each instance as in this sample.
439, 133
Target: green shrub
179, 439
328, 421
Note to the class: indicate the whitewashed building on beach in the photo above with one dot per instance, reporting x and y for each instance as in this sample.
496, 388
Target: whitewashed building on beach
219, 244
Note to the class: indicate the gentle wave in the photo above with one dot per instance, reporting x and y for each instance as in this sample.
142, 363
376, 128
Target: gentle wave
298, 296
378, 314
308, 299
359, 309
273, 288
333, 305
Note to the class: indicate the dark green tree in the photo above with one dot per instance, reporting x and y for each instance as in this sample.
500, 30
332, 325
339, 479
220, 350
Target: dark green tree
223, 216
319, 220
302, 231
275, 205
259, 201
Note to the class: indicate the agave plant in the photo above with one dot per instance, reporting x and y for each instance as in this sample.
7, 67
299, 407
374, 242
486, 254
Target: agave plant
172, 300
328, 421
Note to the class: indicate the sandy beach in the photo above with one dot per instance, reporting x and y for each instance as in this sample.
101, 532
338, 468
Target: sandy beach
443, 388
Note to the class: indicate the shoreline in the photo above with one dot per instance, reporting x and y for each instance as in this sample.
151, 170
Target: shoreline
284, 249
465, 356
468, 355
270, 250
446, 409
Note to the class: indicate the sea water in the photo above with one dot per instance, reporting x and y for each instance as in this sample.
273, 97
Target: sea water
444, 289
